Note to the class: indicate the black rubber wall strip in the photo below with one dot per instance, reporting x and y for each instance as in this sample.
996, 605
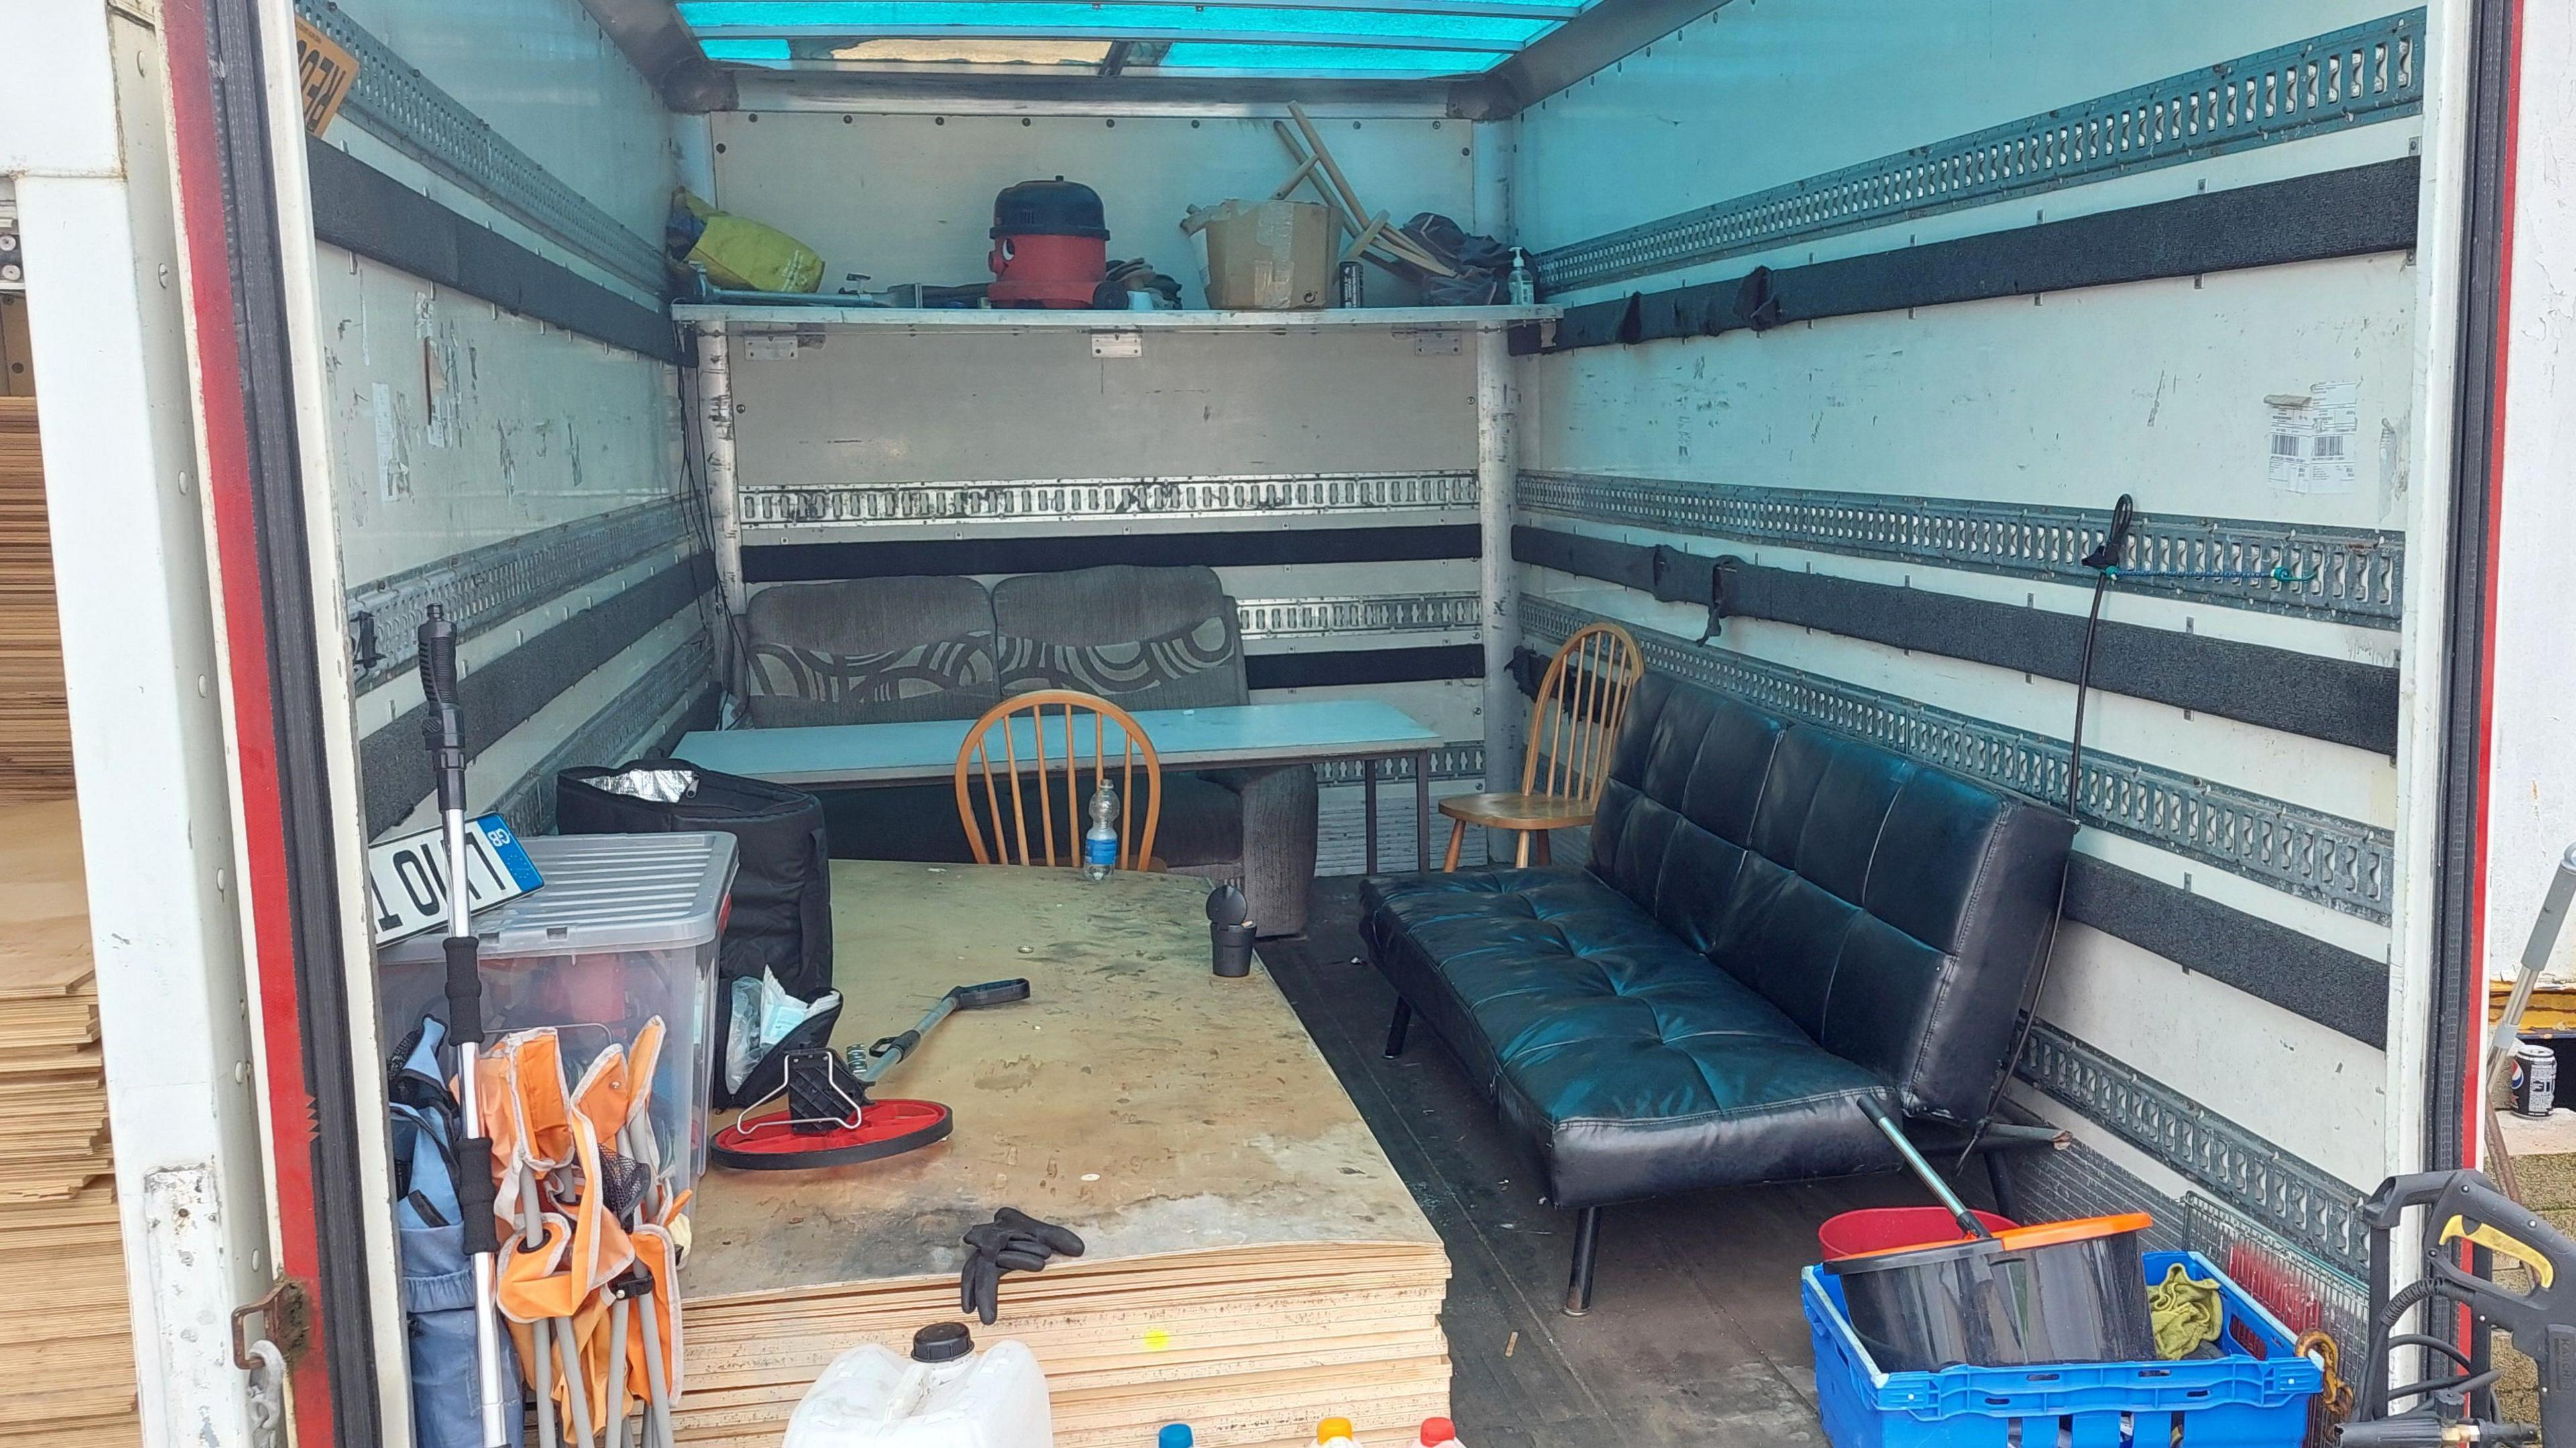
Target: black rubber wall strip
1364, 666
934, 557
2356, 211
2325, 983
503, 694
2340, 701
360, 208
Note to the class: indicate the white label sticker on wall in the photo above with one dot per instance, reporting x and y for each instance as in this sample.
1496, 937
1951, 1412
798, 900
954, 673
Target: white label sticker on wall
2312, 438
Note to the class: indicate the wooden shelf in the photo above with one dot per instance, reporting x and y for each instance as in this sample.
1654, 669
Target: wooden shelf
927, 319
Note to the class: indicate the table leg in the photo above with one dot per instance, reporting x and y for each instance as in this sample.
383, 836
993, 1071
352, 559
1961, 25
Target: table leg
1422, 810
1368, 793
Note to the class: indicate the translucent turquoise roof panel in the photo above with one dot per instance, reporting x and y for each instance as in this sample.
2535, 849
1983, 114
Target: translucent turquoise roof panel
739, 19
1321, 60
1256, 37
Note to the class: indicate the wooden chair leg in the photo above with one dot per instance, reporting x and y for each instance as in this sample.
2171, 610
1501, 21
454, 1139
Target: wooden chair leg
1546, 854
1520, 848
1457, 837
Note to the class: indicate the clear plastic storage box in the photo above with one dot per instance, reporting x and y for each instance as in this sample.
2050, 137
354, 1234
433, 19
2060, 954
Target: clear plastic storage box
625, 929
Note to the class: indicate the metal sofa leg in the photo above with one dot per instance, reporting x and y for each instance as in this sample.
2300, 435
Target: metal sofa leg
1395, 1029
1999, 1176
1587, 1244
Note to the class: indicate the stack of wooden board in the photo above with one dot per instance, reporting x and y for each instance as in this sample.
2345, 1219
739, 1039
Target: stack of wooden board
35, 732
1255, 1264
63, 1318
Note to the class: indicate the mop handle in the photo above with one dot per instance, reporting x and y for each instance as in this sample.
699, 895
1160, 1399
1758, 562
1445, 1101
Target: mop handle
1968, 1221
2535, 959
443, 734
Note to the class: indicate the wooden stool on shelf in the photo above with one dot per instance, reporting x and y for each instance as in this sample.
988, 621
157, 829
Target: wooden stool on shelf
1581, 702
1012, 759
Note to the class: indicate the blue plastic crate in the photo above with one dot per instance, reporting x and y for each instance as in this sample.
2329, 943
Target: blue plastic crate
2242, 1400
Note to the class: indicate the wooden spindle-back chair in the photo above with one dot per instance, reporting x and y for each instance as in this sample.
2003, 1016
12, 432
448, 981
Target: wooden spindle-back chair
1006, 767
1574, 725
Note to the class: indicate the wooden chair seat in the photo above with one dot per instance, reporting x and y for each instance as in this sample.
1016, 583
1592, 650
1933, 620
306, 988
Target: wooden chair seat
1517, 811
1574, 723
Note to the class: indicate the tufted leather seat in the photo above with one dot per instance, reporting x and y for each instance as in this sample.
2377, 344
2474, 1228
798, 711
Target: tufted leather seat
1778, 923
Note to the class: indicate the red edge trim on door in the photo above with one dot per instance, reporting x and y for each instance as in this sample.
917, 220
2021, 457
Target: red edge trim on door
215, 339
2472, 1127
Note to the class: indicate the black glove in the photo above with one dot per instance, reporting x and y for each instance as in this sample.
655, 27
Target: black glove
1013, 1241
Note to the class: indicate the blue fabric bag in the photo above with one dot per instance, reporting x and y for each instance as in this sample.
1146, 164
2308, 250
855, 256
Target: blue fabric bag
437, 1275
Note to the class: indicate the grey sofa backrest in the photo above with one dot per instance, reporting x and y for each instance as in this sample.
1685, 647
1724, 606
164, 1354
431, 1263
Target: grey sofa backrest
1895, 912
1147, 638
869, 651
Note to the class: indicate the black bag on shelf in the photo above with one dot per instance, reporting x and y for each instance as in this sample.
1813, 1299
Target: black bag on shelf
782, 889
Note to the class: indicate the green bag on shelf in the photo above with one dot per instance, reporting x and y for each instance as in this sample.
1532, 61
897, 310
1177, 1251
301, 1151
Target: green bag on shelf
740, 254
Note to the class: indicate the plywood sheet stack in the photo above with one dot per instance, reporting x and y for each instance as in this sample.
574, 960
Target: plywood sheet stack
1254, 1263
35, 733
1251, 1345
63, 1318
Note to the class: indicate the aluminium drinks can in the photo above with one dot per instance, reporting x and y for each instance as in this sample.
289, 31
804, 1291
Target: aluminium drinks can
2534, 1083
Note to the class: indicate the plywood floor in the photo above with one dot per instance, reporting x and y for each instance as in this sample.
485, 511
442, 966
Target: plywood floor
1695, 1335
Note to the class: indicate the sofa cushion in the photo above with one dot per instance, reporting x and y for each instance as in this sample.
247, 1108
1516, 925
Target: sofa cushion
1893, 911
1149, 638
869, 651
1631, 1065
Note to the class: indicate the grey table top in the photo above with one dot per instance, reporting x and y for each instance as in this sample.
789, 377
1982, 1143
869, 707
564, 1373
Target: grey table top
1297, 731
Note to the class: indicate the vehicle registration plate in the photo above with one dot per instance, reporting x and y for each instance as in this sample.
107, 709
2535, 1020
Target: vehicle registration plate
407, 877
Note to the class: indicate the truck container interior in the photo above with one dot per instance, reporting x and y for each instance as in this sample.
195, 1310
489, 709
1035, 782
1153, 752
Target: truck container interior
2054, 408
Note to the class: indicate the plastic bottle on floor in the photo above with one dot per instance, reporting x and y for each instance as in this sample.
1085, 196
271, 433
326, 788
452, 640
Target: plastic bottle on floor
1335, 1433
1438, 1433
1176, 1435
945, 1395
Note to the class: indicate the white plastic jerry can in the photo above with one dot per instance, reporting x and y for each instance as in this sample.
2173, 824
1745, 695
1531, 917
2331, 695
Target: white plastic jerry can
946, 1395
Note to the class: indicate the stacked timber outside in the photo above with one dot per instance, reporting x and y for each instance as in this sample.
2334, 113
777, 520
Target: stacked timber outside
35, 731
63, 1320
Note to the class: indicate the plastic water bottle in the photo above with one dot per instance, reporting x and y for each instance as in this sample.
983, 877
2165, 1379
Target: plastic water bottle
1100, 842
1524, 286
1335, 1433
1438, 1433
1176, 1435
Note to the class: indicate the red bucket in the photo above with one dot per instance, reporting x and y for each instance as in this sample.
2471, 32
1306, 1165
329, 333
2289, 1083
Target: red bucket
1883, 1229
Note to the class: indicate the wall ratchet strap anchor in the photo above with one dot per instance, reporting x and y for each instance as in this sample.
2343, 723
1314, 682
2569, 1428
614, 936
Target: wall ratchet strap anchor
828, 1118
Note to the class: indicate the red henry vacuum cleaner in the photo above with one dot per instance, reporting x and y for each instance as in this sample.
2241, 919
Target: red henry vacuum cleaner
1050, 245
828, 1118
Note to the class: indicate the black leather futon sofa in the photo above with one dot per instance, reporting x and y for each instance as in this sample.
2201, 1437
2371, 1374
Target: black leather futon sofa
1778, 923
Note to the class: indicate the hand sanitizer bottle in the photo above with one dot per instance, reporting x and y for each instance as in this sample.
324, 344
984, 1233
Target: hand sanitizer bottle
1100, 842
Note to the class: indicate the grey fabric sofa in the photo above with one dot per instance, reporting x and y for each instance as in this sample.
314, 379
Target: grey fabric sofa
873, 650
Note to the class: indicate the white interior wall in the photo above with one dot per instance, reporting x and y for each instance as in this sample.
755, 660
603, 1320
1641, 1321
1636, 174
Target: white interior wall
454, 425
1766, 92
909, 198
2156, 389
543, 75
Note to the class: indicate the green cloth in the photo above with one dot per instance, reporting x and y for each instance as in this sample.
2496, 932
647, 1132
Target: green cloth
2186, 1313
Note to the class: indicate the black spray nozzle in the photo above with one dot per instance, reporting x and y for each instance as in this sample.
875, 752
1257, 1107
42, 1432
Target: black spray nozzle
2115, 543
440, 727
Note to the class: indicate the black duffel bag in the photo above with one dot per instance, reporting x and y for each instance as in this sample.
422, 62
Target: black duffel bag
782, 891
